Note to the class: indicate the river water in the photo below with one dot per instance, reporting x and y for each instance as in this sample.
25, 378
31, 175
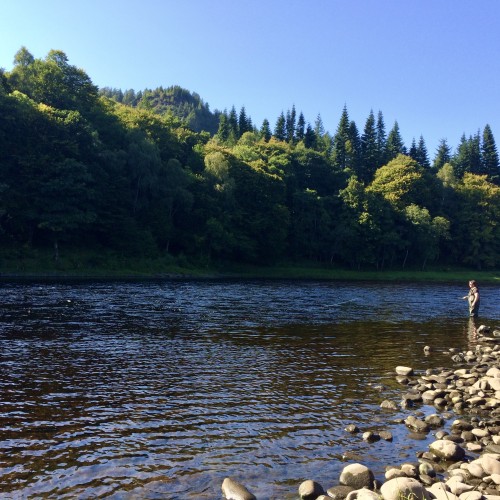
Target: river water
162, 389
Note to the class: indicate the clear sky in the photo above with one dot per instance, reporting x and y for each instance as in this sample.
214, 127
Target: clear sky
432, 65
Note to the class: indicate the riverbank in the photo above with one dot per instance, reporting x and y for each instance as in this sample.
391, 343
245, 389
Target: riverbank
76, 265
462, 463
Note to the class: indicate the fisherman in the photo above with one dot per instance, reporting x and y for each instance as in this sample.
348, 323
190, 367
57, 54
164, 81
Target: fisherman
473, 298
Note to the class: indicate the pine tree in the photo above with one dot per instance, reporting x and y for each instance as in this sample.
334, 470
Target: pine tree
443, 155
369, 151
341, 143
491, 166
412, 152
243, 125
395, 144
310, 138
422, 155
265, 130
381, 141
233, 123
290, 124
300, 129
280, 128
223, 131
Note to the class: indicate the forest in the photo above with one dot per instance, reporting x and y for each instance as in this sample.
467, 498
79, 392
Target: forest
155, 174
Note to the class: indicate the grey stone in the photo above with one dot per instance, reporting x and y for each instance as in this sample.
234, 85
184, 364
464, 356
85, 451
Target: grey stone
233, 490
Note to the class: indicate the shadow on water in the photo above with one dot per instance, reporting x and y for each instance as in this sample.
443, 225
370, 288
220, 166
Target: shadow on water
162, 390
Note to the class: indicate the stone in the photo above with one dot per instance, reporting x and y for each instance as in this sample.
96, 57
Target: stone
489, 464
357, 476
426, 469
447, 450
339, 492
405, 371
351, 428
386, 435
363, 494
393, 473
434, 421
388, 405
310, 490
471, 495
457, 486
232, 490
404, 487
416, 424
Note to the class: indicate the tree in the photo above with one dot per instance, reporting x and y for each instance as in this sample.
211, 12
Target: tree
395, 144
369, 149
265, 130
490, 163
477, 229
341, 142
290, 124
381, 141
300, 129
243, 123
443, 155
223, 131
280, 128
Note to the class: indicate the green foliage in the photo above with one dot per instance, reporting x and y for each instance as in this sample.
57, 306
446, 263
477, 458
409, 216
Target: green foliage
155, 175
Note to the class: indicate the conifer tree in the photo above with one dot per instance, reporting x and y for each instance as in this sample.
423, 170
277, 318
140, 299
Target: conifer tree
280, 128
422, 155
381, 141
300, 129
265, 130
223, 131
233, 123
443, 155
369, 151
243, 125
310, 138
290, 124
395, 144
341, 144
491, 166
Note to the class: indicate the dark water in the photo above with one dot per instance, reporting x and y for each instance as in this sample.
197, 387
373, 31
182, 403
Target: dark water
161, 390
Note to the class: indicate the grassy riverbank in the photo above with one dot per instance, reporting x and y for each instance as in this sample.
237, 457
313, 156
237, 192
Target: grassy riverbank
76, 264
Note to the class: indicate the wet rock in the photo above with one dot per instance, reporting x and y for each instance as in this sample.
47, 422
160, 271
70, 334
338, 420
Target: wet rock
357, 476
416, 424
404, 371
447, 450
434, 421
386, 435
339, 492
353, 429
370, 437
388, 405
232, 490
403, 487
310, 490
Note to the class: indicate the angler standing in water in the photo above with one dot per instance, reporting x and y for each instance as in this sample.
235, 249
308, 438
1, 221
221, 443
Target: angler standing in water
473, 298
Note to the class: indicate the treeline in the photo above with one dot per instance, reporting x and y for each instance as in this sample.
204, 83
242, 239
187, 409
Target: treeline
80, 168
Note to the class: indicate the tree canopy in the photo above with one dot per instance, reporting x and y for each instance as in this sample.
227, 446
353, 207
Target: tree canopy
155, 173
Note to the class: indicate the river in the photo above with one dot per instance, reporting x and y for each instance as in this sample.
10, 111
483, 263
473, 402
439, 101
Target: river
161, 389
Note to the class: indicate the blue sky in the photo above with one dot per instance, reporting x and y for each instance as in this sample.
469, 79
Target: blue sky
432, 65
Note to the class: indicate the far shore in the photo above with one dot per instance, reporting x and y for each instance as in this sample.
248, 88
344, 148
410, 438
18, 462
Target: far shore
131, 270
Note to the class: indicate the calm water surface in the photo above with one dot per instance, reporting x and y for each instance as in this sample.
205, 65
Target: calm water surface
162, 389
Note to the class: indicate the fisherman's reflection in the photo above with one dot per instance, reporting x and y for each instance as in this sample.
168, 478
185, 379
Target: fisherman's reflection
472, 330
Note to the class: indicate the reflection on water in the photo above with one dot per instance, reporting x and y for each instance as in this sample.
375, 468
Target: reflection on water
160, 390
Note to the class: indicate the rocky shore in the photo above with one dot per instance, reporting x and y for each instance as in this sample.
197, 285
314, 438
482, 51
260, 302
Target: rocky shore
462, 463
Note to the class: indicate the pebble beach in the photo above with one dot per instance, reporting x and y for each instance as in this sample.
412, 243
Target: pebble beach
463, 461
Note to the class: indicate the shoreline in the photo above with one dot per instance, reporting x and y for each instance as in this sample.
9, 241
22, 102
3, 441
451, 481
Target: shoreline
460, 464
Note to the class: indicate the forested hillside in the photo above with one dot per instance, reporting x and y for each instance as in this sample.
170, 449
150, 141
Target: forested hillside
147, 174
